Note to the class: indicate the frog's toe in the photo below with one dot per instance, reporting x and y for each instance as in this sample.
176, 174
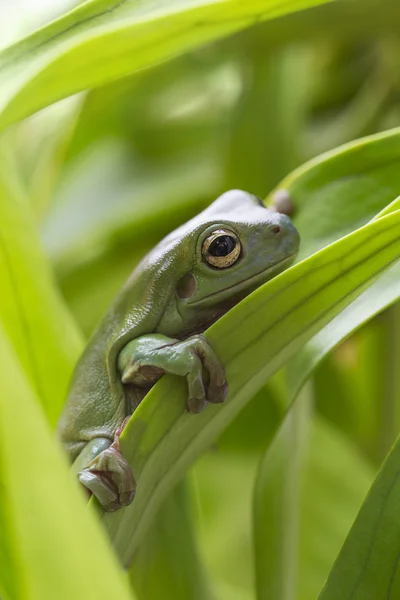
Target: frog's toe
217, 390
216, 394
195, 405
101, 487
197, 396
109, 477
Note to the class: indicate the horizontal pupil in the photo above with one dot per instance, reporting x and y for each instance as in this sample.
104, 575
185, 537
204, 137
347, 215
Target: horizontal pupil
222, 246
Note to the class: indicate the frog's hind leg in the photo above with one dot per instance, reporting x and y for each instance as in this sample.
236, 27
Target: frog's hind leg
105, 472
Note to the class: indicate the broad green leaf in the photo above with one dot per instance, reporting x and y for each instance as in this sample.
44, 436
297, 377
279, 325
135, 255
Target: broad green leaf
33, 313
50, 544
334, 193
254, 340
321, 177
342, 189
367, 567
103, 40
168, 557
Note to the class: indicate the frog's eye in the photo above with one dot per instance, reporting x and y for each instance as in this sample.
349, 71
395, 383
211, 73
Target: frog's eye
221, 249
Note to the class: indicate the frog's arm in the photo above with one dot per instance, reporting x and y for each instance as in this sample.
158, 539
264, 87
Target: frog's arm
143, 360
101, 467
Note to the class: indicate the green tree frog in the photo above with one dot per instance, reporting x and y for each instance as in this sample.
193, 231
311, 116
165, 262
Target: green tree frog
155, 326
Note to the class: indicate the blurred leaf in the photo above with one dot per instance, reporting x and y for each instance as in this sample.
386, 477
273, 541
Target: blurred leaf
346, 20
84, 224
224, 484
277, 505
168, 558
355, 119
103, 40
367, 567
357, 386
336, 480
253, 340
267, 122
341, 190
34, 316
254, 427
50, 545
331, 485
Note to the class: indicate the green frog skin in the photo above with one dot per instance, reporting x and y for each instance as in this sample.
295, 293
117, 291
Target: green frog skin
155, 326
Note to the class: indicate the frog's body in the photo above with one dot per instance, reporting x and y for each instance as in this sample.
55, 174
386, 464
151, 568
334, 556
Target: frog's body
182, 286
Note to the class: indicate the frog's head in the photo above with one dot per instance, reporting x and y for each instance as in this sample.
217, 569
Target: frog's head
226, 252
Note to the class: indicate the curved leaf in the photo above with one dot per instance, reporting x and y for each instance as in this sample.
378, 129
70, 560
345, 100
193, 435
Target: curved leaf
333, 194
33, 313
342, 189
368, 565
302, 521
254, 340
50, 546
103, 40
170, 550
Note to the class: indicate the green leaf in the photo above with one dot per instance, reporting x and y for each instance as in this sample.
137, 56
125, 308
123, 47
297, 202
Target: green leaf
342, 189
50, 544
224, 484
269, 118
367, 567
371, 168
277, 505
334, 193
103, 40
32, 311
169, 550
335, 483
307, 495
254, 340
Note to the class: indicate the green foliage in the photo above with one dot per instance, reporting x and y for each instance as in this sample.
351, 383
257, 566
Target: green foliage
276, 476
254, 340
114, 38
372, 546
49, 543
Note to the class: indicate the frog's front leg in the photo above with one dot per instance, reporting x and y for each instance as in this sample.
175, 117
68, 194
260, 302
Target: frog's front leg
105, 472
144, 360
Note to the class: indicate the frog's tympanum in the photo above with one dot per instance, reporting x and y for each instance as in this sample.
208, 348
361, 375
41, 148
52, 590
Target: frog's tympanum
155, 326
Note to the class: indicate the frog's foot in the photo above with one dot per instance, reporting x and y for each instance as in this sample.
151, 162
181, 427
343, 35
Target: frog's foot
144, 360
202, 355
109, 477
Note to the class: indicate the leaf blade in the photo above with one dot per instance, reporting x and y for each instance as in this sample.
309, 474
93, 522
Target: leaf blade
39, 502
33, 314
312, 292
367, 566
108, 39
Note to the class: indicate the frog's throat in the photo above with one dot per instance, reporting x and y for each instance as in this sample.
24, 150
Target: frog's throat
261, 276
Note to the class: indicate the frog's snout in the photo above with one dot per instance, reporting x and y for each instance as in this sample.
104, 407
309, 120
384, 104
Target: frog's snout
289, 235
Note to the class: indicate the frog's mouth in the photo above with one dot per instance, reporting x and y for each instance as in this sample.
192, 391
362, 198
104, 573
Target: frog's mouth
234, 293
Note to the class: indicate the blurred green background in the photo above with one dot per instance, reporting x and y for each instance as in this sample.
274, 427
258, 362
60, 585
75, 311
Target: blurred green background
111, 171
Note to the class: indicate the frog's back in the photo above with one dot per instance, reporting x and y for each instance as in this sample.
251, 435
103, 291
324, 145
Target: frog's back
95, 405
